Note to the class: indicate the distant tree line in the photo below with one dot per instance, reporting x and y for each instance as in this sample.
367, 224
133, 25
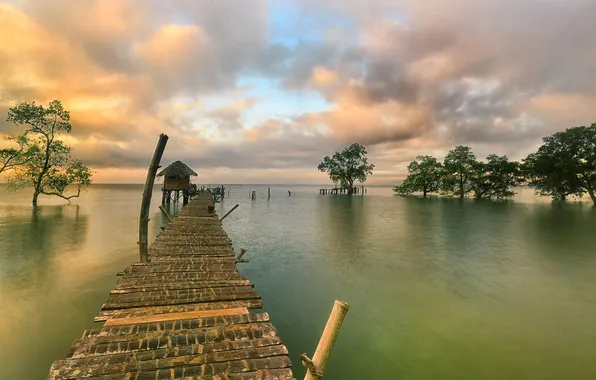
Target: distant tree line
565, 165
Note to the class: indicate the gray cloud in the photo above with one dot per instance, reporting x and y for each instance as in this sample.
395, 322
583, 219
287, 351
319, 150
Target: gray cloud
463, 72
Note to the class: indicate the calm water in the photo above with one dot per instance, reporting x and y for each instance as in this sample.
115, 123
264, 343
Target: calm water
438, 289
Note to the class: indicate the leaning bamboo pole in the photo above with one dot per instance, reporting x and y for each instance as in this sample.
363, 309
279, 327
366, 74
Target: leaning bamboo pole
229, 212
165, 213
316, 366
146, 202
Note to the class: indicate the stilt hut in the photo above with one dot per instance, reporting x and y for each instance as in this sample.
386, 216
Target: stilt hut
176, 179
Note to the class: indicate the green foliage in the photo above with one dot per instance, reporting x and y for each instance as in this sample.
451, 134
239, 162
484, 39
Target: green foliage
494, 178
347, 166
46, 164
459, 165
491, 179
425, 175
565, 164
11, 158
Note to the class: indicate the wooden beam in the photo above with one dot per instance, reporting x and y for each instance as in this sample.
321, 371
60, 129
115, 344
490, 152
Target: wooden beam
146, 202
175, 316
165, 213
229, 212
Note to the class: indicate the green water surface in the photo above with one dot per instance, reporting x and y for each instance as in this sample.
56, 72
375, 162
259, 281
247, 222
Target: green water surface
438, 288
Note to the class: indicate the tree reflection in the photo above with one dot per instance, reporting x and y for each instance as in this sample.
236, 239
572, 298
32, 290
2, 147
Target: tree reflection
31, 237
343, 224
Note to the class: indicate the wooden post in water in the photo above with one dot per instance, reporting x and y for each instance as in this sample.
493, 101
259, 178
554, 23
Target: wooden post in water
241, 253
268, 193
316, 366
146, 202
165, 213
229, 212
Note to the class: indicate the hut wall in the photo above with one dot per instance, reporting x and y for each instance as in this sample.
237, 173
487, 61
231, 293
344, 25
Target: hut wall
173, 183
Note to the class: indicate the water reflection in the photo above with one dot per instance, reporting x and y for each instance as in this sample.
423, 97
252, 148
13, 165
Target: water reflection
30, 237
343, 223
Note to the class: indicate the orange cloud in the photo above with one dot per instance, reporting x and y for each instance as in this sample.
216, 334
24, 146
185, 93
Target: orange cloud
172, 47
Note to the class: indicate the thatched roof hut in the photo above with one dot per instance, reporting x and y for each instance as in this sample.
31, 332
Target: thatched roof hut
177, 169
177, 177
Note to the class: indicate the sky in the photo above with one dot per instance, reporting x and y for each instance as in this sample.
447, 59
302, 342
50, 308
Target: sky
259, 91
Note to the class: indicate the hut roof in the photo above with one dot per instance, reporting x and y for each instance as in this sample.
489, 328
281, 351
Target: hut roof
177, 169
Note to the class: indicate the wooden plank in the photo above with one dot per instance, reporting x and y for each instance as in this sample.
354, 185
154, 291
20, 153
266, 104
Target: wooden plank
142, 311
219, 370
175, 316
162, 301
101, 345
176, 326
102, 365
124, 287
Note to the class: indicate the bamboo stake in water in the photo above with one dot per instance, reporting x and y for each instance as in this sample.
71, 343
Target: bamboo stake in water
229, 212
240, 254
165, 213
328, 338
146, 202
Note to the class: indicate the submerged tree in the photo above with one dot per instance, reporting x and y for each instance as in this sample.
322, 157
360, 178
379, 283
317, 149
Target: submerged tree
348, 166
48, 168
565, 164
494, 178
424, 175
459, 164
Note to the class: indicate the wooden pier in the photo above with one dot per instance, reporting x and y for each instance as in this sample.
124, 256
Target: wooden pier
184, 314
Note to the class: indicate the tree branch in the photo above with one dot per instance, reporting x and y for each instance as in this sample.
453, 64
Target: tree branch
62, 196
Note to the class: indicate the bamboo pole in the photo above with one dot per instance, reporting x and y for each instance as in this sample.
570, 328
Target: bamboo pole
241, 253
165, 213
229, 212
316, 366
146, 202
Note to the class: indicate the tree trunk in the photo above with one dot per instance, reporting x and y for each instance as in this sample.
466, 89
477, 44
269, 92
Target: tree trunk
351, 188
591, 192
461, 187
35, 195
423, 193
590, 189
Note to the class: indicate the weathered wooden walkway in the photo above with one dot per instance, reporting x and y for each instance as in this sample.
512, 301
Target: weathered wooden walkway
183, 315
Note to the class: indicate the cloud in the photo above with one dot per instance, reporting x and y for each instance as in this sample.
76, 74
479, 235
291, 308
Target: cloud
403, 77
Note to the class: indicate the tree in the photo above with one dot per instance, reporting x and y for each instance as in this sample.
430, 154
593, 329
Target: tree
11, 158
459, 164
424, 175
565, 164
494, 178
347, 166
49, 168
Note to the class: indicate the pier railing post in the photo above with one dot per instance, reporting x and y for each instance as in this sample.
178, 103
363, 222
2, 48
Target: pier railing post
146, 202
316, 366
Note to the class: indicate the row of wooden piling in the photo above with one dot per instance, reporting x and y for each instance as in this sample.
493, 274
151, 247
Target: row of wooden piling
342, 190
